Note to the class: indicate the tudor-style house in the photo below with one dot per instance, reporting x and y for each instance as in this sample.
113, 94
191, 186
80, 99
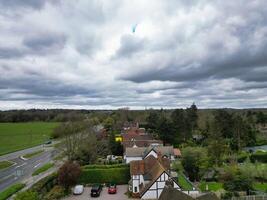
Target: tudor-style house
148, 177
140, 153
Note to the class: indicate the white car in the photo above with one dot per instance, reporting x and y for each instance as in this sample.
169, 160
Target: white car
78, 189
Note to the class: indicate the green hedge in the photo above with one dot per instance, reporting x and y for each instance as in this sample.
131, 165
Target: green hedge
120, 175
45, 185
105, 166
259, 156
11, 190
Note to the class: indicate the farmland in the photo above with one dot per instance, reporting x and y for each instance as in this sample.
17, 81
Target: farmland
17, 136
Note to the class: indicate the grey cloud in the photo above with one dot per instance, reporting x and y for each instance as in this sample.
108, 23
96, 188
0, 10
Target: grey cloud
36, 4
129, 45
45, 42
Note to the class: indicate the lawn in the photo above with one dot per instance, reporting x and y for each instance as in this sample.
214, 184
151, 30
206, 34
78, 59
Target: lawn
184, 183
5, 164
260, 187
18, 136
43, 169
212, 186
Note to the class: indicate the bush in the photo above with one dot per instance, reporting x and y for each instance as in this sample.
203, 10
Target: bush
57, 192
27, 195
242, 157
45, 184
259, 156
238, 183
105, 166
68, 174
120, 175
11, 190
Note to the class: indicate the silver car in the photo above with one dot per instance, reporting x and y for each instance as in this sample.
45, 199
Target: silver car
78, 189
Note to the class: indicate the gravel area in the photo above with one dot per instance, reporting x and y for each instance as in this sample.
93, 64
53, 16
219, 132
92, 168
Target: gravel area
121, 189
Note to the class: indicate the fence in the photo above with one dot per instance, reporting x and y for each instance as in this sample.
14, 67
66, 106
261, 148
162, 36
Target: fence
255, 197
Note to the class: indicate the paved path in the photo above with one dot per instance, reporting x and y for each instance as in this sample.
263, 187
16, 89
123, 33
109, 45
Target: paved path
103, 196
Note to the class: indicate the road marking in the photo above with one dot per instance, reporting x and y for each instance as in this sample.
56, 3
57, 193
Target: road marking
22, 158
21, 165
37, 165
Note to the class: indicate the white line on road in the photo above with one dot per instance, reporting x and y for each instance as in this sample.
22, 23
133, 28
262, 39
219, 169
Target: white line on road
21, 165
37, 165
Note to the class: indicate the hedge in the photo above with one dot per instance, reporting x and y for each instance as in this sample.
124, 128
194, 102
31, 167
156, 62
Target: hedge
105, 166
120, 175
11, 190
45, 185
259, 156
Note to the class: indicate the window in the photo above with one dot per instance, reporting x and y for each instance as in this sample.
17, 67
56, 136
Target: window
135, 189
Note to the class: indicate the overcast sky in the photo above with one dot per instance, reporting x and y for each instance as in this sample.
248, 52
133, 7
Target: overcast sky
155, 53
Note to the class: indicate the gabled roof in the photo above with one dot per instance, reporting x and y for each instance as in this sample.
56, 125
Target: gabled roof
170, 193
208, 196
143, 151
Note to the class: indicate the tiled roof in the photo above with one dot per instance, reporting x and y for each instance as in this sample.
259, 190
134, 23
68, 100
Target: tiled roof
170, 193
177, 152
143, 151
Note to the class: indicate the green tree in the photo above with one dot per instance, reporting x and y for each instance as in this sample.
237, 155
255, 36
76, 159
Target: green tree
109, 123
194, 161
179, 124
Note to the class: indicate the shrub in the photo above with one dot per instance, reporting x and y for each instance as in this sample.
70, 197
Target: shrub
45, 184
68, 174
57, 192
238, 183
105, 166
11, 190
119, 175
242, 157
259, 156
27, 195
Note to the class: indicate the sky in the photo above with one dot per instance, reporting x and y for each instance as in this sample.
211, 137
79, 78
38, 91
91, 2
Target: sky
101, 54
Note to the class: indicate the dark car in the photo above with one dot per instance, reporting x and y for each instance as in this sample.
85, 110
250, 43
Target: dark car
96, 190
112, 189
48, 142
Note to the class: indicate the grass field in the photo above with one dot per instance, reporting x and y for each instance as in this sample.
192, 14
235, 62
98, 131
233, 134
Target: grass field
184, 183
17, 136
11, 190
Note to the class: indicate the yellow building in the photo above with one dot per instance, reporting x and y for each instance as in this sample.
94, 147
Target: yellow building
118, 138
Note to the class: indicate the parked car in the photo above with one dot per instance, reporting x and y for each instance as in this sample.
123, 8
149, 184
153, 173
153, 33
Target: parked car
112, 189
78, 189
96, 190
48, 142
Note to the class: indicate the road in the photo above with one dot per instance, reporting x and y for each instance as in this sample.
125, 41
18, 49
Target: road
23, 169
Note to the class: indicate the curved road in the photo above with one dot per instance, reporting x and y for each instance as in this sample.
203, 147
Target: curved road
23, 169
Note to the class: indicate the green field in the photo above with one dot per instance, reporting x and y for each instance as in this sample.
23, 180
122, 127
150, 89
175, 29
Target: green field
17, 136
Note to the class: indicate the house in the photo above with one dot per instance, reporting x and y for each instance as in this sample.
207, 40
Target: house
140, 153
148, 177
170, 193
143, 140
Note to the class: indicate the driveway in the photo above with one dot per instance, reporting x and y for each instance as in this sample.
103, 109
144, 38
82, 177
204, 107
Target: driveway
121, 189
